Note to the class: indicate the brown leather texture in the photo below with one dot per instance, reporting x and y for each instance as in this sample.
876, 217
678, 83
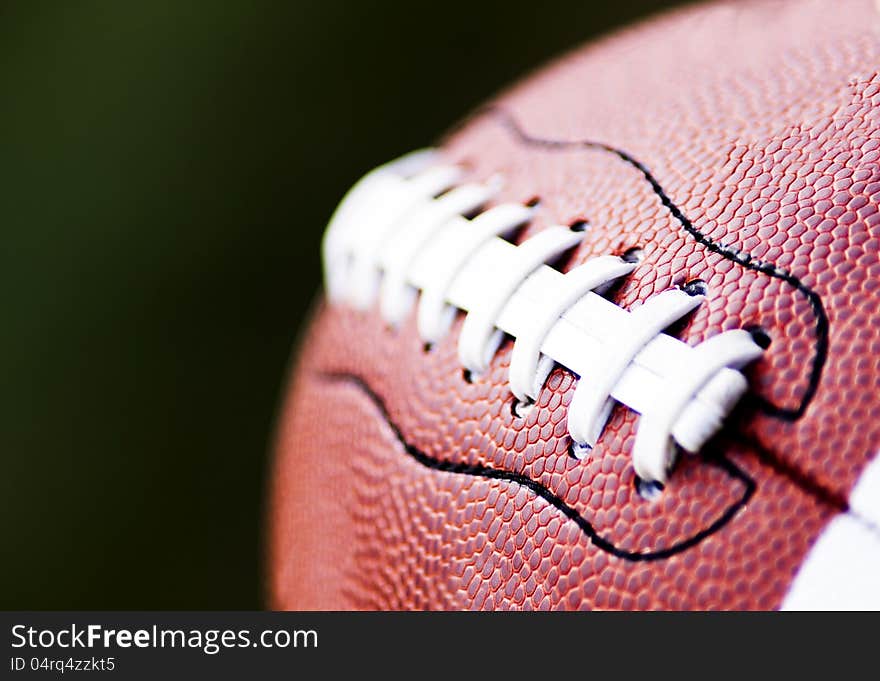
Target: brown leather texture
735, 143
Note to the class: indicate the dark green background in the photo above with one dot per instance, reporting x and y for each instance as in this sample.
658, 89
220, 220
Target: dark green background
166, 170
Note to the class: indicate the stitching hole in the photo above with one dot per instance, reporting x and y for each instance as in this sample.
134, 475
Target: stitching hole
696, 287
760, 336
633, 255
579, 450
521, 408
649, 490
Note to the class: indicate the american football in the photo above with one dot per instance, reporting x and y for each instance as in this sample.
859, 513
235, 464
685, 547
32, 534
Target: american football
611, 341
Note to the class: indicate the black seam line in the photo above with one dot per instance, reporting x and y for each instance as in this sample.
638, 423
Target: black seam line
480, 471
821, 330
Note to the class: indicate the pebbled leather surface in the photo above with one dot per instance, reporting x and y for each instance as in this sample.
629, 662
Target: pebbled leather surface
735, 143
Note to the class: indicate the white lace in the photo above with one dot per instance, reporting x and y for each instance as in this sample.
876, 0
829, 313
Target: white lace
400, 235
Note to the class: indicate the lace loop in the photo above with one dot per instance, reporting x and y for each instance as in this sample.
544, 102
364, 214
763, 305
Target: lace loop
459, 240
529, 368
653, 451
591, 404
479, 338
397, 296
365, 201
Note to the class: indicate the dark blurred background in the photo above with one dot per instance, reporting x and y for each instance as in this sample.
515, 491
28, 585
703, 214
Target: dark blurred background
166, 171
